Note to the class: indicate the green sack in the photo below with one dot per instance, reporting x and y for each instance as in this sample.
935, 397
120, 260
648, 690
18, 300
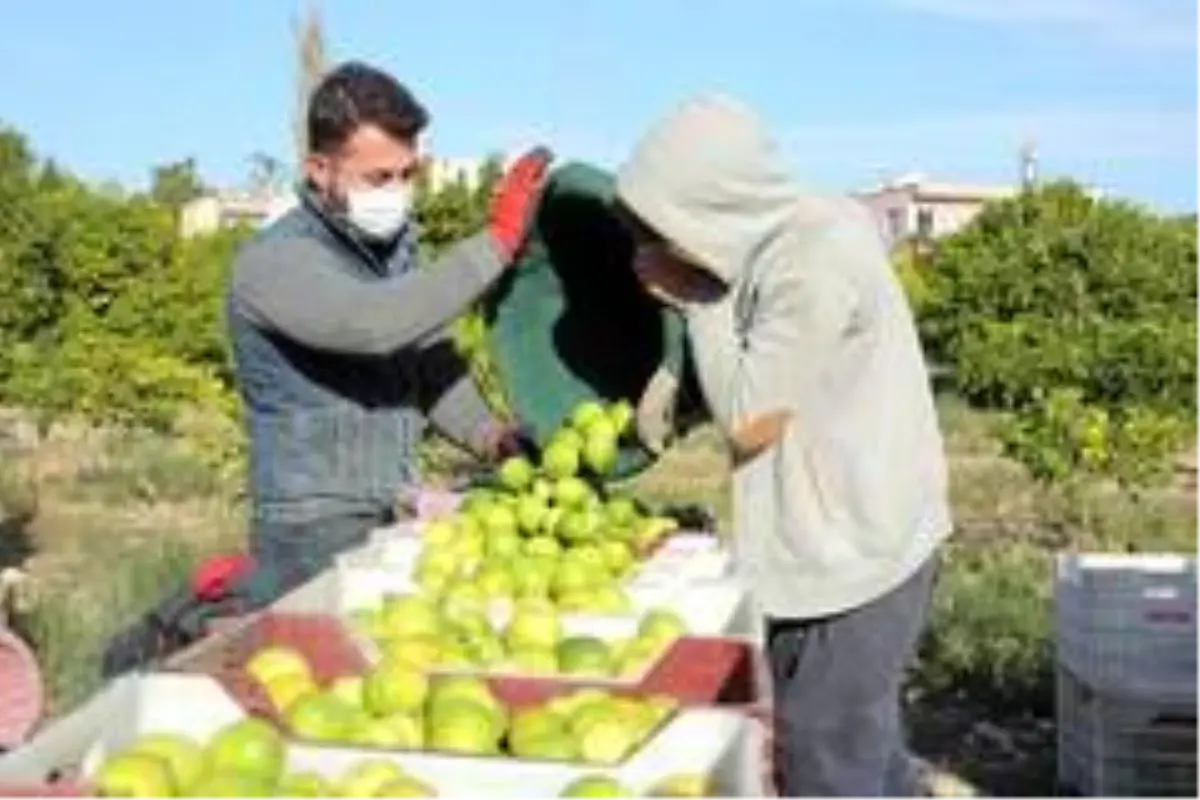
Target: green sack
570, 322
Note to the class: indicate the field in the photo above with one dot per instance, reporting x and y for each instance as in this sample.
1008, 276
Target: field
980, 696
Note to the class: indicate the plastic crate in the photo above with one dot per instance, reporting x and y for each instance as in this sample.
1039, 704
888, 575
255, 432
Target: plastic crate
696, 671
54, 763
1121, 746
325, 643
718, 742
1127, 623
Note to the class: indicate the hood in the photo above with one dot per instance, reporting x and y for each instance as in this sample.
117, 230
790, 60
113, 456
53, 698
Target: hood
709, 179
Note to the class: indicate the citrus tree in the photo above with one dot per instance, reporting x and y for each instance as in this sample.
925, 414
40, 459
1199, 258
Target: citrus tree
1077, 316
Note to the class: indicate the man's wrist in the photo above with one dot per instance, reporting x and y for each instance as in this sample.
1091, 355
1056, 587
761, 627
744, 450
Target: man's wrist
488, 438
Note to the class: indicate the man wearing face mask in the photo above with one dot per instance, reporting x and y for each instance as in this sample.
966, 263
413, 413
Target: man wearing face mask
341, 343
809, 361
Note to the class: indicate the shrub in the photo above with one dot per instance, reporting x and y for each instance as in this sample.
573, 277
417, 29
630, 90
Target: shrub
989, 629
1078, 316
108, 314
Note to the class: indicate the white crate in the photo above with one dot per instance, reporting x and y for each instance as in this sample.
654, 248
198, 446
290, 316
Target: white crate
130, 705
682, 559
723, 744
690, 574
1121, 746
1127, 623
608, 629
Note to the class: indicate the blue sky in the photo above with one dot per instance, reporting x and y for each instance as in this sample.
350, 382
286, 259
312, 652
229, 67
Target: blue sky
857, 90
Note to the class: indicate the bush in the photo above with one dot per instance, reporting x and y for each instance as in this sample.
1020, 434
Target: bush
446, 216
1061, 437
912, 275
108, 315
989, 631
107, 378
1079, 317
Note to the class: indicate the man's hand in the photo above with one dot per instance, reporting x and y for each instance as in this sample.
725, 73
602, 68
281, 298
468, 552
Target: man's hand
506, 441
756, 435
515, 201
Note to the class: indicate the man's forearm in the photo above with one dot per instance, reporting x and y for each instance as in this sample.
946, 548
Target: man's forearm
451, 397
720, 366
309, 298
463, 416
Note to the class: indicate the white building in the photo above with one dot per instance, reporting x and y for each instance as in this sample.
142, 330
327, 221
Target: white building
227, 209
442, 172
915, 206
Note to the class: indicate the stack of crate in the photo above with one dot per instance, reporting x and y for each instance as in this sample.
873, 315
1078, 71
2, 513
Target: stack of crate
1126, 674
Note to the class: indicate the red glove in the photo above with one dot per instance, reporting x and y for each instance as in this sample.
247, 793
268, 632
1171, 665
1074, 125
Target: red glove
515, 201
211, 580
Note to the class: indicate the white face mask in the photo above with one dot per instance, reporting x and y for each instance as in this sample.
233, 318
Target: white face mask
380, 212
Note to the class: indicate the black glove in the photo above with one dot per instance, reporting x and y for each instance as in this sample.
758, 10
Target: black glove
692, 517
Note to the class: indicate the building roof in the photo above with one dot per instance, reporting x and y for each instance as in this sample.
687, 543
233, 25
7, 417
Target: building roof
924, 188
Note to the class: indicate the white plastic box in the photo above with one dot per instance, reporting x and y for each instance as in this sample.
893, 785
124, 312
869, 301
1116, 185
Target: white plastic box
690, 573
1113, 745
608, 629
1126, 624
723, 744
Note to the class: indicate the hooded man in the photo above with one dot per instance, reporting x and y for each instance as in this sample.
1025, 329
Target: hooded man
809, 361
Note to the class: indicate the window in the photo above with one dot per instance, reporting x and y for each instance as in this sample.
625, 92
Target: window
895, 224
925, 223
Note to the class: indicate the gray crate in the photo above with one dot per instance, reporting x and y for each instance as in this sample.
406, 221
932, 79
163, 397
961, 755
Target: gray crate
1127, 623
1121, 746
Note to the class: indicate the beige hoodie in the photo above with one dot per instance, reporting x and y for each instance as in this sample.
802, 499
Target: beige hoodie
853, 499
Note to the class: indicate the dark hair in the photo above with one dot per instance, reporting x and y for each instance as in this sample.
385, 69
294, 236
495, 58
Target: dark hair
356, 94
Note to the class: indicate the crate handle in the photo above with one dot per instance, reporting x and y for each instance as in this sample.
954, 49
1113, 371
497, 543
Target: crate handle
1169, 616
1180, 720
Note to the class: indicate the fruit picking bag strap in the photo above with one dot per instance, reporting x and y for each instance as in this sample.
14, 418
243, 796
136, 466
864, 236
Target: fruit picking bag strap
222, 587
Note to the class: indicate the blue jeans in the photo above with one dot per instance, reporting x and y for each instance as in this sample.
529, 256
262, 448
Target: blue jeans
837, 688
293, 552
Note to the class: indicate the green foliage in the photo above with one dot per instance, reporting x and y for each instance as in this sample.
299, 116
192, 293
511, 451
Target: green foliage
174, 184
108, 314
1063, 438
446, 216
68, 627
107, 378
989, 630
912, 275
1076, 315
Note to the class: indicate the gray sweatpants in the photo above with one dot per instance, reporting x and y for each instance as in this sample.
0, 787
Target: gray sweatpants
837, 684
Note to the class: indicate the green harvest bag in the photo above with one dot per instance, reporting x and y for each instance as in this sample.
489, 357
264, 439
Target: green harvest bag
571, 323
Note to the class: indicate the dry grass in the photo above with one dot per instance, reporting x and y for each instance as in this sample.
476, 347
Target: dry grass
118, 519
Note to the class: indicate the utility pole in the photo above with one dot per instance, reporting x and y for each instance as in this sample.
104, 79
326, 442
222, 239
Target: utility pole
1029, 165
310, 67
